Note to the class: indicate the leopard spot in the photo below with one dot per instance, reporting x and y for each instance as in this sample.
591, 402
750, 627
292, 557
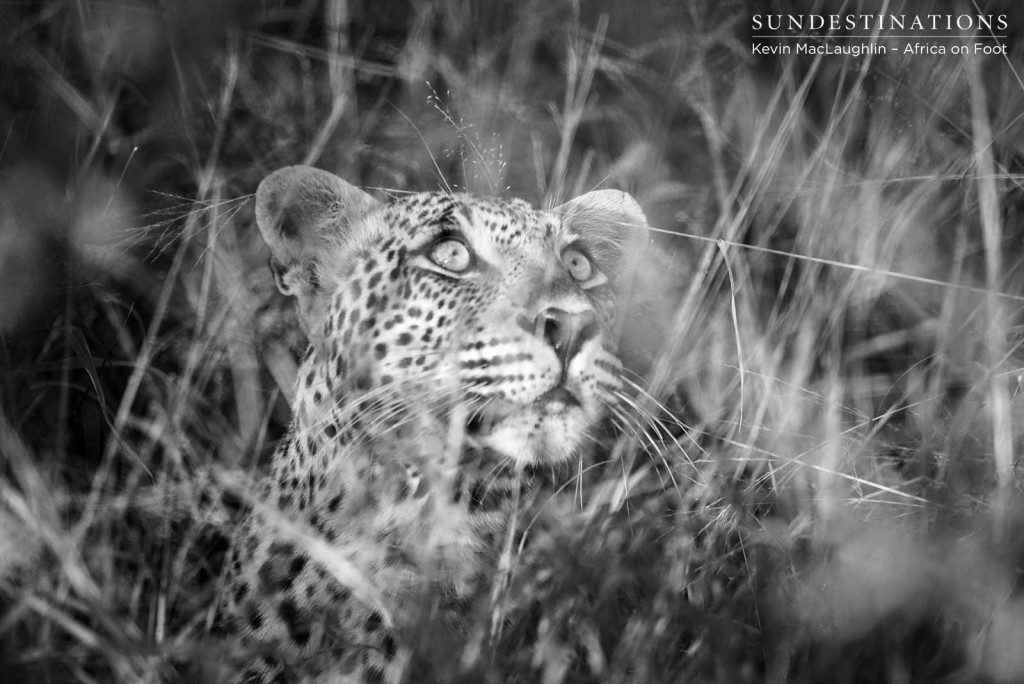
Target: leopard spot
373, 622
339, 593
362, 382
240, 591
255, 617
295, 622
273, 576
295, 569
389, 647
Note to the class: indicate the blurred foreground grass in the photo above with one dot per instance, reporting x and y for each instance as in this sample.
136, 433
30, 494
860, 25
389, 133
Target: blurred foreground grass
822, 480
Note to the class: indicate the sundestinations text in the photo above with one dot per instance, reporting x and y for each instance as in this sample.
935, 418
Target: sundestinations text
879, 22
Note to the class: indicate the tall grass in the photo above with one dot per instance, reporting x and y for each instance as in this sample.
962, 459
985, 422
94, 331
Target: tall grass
819, 481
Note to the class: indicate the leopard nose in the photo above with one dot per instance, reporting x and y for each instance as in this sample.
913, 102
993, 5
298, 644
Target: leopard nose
565, 332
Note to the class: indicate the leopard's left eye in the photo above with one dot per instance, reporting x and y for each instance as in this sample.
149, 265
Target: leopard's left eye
580, 267
451, 255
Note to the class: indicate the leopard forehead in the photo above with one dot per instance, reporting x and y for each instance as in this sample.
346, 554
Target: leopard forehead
496, 228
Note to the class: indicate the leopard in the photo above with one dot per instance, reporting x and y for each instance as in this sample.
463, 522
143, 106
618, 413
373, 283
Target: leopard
457, 345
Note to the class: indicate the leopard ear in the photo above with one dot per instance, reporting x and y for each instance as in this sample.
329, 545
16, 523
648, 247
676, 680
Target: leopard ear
603, 210
306, 215
611, 221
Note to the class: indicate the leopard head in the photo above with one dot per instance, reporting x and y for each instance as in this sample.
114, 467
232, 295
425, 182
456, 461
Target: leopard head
503, 309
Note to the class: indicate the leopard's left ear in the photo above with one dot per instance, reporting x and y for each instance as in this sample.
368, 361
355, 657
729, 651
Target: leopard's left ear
610, 221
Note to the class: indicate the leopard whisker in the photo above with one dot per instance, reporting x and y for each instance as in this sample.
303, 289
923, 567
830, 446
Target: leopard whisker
687, 430
658, 429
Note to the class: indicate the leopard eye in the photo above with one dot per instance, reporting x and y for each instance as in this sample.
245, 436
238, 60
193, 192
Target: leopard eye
451, 255
580, 267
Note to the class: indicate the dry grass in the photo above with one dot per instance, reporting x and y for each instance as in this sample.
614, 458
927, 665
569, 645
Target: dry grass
820, 481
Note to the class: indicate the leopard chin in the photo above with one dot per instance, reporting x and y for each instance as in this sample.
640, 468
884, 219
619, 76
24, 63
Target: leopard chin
547, 431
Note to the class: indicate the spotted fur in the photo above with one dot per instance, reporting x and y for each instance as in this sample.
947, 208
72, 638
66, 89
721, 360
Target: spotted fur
455, 342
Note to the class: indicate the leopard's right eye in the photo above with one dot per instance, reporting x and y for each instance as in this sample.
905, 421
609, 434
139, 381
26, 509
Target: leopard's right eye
451, 255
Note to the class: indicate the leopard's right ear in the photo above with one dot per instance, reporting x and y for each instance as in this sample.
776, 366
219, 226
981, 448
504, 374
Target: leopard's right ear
305, 215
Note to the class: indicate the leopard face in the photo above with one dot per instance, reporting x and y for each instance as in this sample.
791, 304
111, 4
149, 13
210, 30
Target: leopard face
491, 306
